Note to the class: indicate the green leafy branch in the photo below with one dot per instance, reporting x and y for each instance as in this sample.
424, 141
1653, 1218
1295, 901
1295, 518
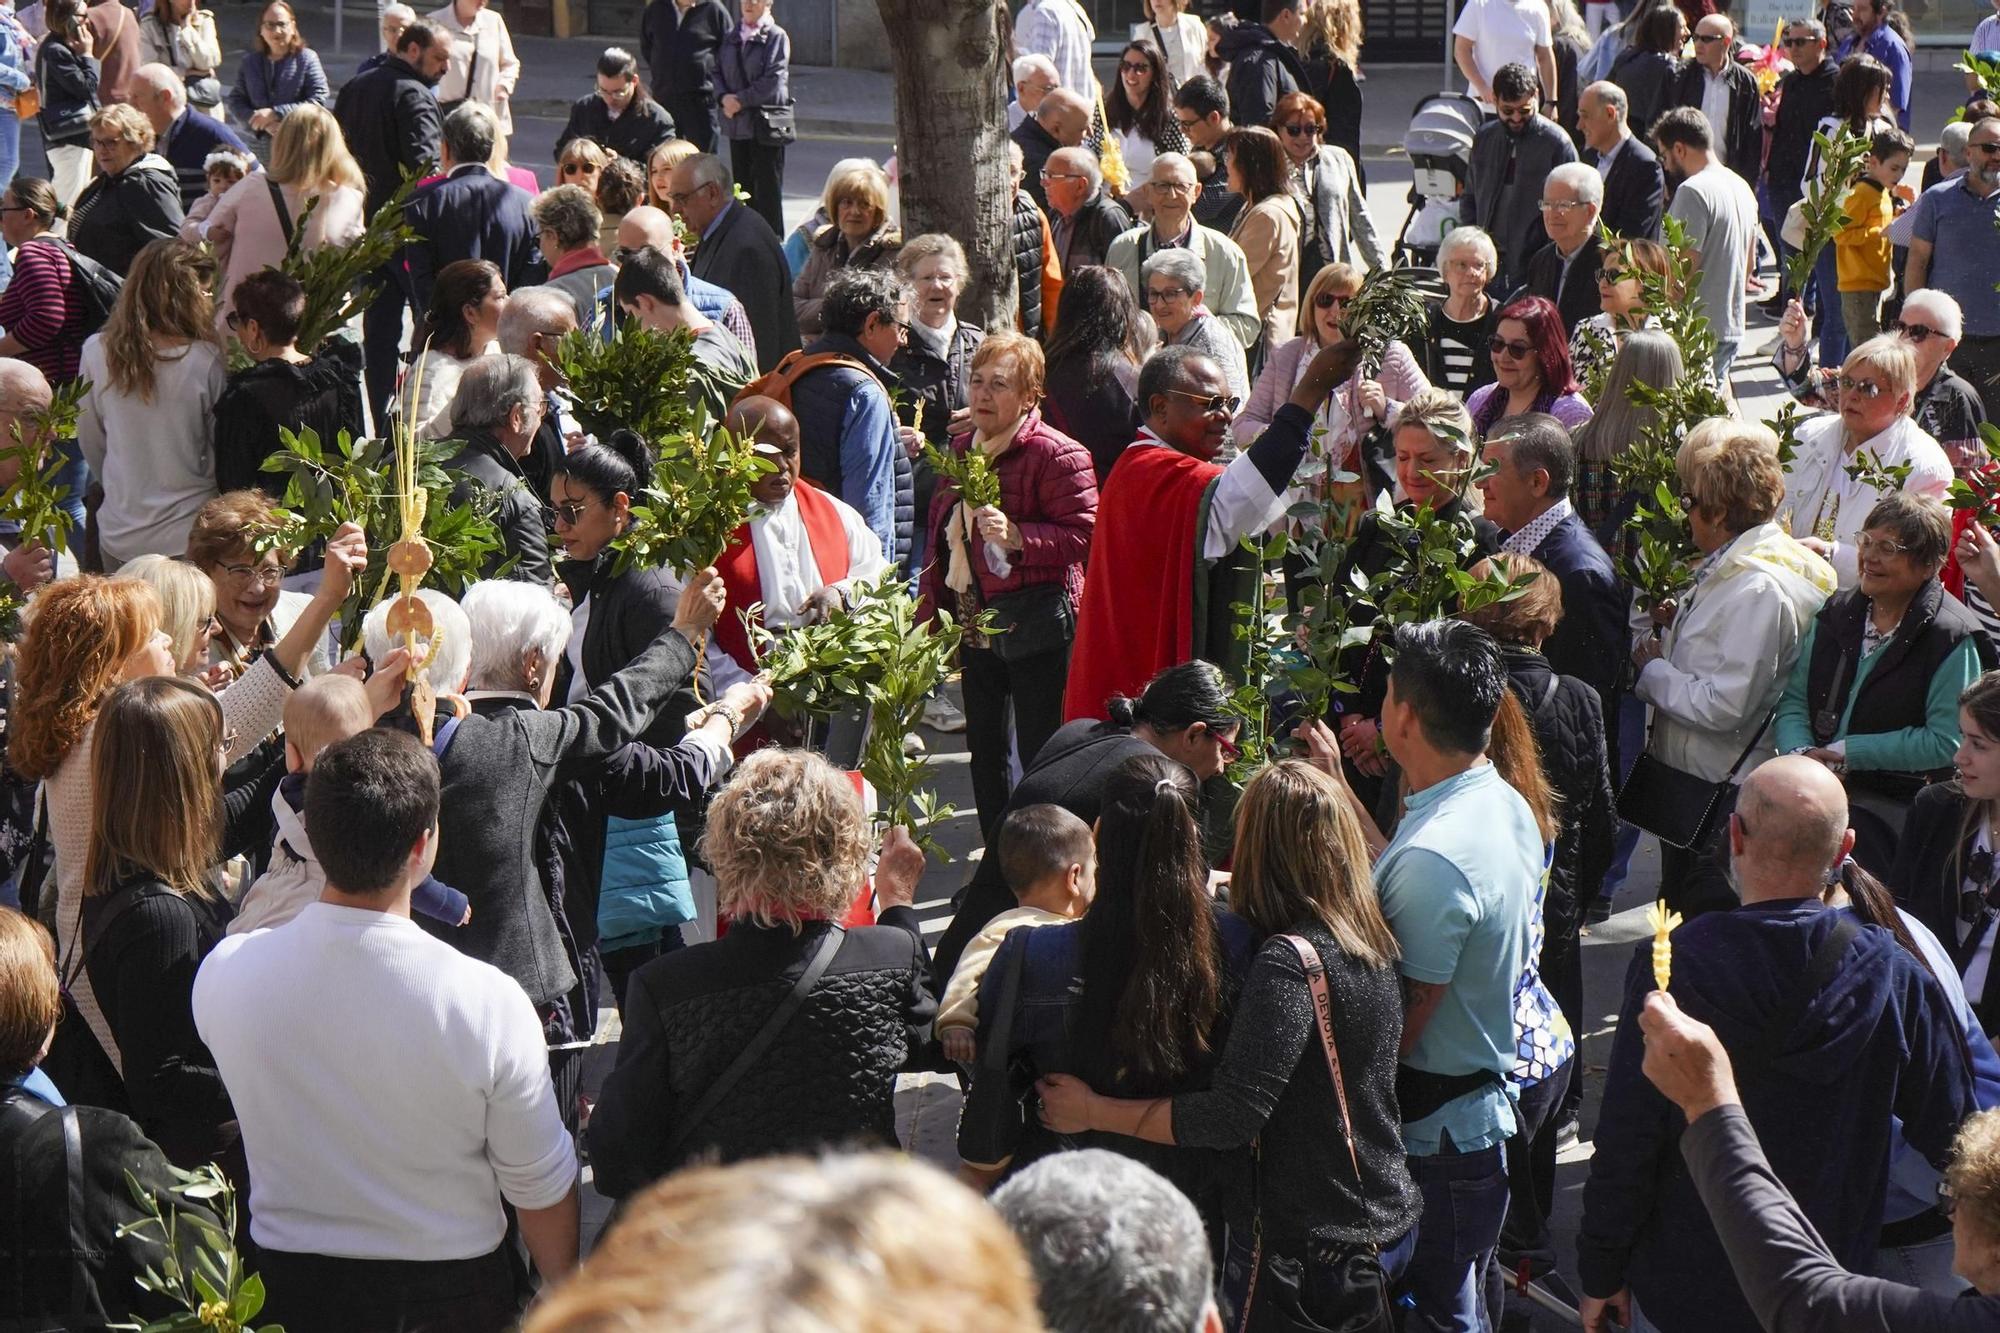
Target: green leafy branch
1841, 157
34, 500
971, 474
700, 493
637, 380
335, 276
1977, 490
1393, 305
1870, 470
1986, 71
194, 1223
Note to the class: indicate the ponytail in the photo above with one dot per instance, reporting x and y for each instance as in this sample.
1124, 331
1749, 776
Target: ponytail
1518, 758
1874, 904
617, 463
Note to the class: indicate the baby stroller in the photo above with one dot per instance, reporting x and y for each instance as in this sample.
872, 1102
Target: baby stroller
1439, 145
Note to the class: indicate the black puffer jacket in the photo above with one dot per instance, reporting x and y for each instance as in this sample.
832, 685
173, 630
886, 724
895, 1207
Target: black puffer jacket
829, 1078
937, 381
323, 394
118, 216
1025, 233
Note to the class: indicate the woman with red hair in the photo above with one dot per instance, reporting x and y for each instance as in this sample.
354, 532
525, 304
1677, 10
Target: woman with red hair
1532, 371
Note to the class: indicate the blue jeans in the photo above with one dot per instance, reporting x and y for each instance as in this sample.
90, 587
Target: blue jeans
1465, 1201
1833, 347
10, 162
1725, 357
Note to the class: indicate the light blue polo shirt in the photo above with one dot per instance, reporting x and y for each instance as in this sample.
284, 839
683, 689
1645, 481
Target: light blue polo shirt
1458, 886
1965, 249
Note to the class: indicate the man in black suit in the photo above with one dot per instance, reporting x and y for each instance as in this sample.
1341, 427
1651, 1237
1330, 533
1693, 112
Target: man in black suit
1714, 84
1565, 270
1635, 184
681, 43
1805, 97
1060, 121
389, 117
739, 252
1532, 465
471, 213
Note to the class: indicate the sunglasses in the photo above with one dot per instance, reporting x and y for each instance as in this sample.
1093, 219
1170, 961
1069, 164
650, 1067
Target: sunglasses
1231, 751
1800, 41
1512, 350
1861, 388
1212, 403
1134, 67
1301, 131
1706, 37
1610, 277
1328, 300
571, 511
1916, 333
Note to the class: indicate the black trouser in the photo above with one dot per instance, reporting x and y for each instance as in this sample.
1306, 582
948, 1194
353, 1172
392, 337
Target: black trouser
760, 169
1035, 687
1531, 1187
382, 343
1978, 360
317, 1293
697, 120
1696, 880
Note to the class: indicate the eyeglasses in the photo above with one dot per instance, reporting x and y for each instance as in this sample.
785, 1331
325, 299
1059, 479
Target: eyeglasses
1916, 333
104, 145
1563, 206
1862, 388
1162, 295
233, 320
1986, 145
1512, 350
578, 168
1801, 41
1048, 175
1866, 545
1172, 187
14, 208
1303, 130
1328, 300
1212, 403
570, 511
1186, 122
1231, 751
1610, 277
255, 576
1134, 67
1947, 1202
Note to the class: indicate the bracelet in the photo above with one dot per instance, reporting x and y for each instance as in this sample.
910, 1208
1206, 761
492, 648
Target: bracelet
728, 712
291, 682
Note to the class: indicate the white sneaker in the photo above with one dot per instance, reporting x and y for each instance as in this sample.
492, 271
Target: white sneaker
940, 714
913, 744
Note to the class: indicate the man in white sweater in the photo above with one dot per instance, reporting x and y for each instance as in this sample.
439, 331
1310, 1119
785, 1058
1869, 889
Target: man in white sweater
392, 1091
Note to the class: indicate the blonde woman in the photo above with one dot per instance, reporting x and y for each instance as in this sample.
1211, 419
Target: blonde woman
147, 427
311, 166
187, 606
660, 164
483, 65
859, 234
135, 197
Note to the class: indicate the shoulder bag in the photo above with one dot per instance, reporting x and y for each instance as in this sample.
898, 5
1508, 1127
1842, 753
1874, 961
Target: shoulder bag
1279, 1280
774, 126
1677, 807
1000, 1099
780, 1019
20, 1110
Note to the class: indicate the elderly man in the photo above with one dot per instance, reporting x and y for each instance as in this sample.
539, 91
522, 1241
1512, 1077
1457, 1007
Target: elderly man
568, 224
1726, 94
1635, 185
24, 394
1565, 270
1720, 214
533, 322
1511, 156
1836, 1030
471, 213
499, 410
1035, 77
649, 290
1805, 97
1201, 109
1533, 465
181, 134
1951, 248
739, 253
1843, 463
1085, 219
1170, 518
618, 114
1061, 121
647, 225
1173, 189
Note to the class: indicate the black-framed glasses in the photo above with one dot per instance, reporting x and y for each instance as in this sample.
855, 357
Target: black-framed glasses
233, 320
1916, 333
1187, 122
1986, 145
1162, 295
1172, 187
570, 511
14, 208
1610, 277
1499, 346
1706, 37
1211, 403
1328, 300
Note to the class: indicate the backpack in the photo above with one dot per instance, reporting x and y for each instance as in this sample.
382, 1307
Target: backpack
94, 286
778, 381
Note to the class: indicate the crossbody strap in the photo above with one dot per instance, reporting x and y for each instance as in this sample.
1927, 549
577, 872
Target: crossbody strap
781, 1017
1323, 1012
284, 213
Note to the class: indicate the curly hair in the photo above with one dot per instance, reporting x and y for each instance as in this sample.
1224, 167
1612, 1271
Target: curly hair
166, 296
80, 631
787, 839
228, 527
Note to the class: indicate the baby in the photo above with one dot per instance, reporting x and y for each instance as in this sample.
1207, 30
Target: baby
1049, 861
324, 710
223, 167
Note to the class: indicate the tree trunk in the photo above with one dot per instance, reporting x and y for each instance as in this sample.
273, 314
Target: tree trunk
950, 59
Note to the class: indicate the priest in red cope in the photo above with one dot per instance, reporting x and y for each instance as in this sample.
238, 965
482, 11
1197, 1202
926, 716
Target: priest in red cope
797, 554
1165, 564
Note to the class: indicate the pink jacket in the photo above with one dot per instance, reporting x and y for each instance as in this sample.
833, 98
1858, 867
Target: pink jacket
256, 237
1401, 380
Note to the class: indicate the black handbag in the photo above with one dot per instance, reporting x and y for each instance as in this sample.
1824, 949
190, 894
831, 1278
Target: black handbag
1676, 807
1031, 621
773, 126
999, 1103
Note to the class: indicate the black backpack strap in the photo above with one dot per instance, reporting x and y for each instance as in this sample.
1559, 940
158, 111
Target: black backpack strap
1825, 964
19, 1111
780, 1019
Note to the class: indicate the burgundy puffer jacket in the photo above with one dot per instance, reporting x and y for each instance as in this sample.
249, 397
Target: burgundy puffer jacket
1048, 487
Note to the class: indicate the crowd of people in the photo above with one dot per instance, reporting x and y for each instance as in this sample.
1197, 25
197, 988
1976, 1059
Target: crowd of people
1251, 1045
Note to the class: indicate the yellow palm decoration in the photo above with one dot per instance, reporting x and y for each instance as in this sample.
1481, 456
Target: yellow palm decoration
1664, 924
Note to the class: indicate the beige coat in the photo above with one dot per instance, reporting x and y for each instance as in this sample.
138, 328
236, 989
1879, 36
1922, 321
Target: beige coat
1268, 234
499, 68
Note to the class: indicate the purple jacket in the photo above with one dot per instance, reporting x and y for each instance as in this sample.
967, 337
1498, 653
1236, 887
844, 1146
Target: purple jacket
758, 71
1048, 487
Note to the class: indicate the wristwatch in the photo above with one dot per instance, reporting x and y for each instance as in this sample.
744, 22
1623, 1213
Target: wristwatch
730, 712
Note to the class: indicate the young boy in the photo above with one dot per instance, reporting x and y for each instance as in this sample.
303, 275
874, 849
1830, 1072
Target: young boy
1862, 249
1048, 859
323, 711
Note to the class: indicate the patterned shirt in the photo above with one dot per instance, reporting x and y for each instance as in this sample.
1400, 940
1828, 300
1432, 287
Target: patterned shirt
1537, 529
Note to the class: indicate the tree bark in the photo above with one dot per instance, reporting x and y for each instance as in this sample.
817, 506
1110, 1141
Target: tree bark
950, 64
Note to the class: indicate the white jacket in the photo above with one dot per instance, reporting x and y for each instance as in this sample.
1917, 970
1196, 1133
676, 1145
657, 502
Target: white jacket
293, 880
1730, 651
1818, 488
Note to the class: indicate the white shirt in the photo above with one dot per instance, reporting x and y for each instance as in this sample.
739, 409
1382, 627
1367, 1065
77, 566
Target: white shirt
1536, 530
392, 1091
1059, 30
1981, 962
1605, 160
1504, 32
579, 621
1986, 37
1818, 489
1715, 105
1242, 503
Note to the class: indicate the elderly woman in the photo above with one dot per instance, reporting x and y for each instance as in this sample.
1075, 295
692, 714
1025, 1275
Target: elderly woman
829, 1014
1874, 693
1336, 227
1022, 559
858, 234
1841, 466
935, 362
187, 607
1362, 411
753, 89
1531, 369
252, 608
279, 73
1266, 230
1172, 281
569, 224
1621, 309
1456, 353
134, 197
1714, 674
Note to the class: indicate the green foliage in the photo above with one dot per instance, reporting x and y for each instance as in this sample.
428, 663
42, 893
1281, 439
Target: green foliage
700, 493
355, 481
1986, 71
1841, 158
1393, 305
1258, 625
971, 474
1977, 490
334, 276
879, 652
194, 1223
637, 380
35, 499
1872, 471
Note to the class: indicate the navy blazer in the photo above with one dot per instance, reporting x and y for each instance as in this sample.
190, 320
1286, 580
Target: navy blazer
471, 214
1635, 193
1589, 640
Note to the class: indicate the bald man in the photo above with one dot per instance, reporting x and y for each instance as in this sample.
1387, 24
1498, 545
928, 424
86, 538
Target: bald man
799, 552
24, 392
183, 134
647, 225
1834, 1028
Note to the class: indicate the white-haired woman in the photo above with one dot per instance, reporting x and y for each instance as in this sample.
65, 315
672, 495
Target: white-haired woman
1171, 284
1454, 354
789, 840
